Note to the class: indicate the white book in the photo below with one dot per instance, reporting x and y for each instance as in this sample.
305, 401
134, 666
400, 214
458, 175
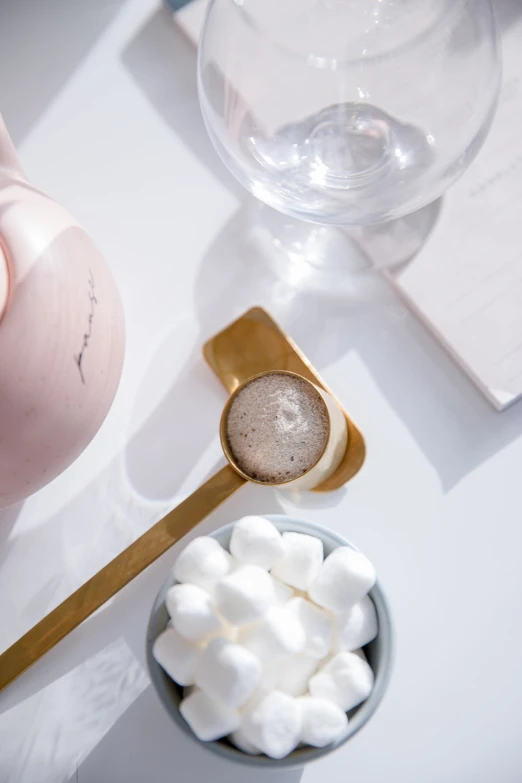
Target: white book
466, 283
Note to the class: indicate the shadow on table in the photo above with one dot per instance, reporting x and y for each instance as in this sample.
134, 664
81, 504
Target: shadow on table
162, 61
124, 756
450, 420
184, 425
41, 45
73, 552
74, 544
8, 517
71, 29
453, 425
507, 12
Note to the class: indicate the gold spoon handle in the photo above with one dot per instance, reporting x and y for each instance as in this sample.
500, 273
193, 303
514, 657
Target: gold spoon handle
116, 574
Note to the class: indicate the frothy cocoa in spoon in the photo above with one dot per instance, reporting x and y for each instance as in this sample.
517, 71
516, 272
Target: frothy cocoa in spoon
277, 428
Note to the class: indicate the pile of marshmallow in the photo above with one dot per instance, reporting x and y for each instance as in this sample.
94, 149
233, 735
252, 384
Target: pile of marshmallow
269, 634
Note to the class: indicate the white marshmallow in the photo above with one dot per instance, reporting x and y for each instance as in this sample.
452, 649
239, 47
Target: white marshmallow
293, 673
230, 632
202, 562
301, 560
357, 627
322, 721
209, 719
346, 680
244, 631
192, 612
317, 625
278, 633
256, 541
323, 686
283, 593
227, 631
270, 679
256, 697
238, 739
273, 724
243, 595
176, 655
359, 653
343, 579
228, 672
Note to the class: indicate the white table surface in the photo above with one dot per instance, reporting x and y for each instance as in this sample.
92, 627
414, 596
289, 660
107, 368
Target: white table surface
100, 98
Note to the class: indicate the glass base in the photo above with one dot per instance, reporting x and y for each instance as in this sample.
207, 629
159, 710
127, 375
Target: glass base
331, 259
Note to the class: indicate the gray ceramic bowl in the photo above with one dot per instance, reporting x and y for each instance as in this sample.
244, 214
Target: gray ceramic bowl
379, 654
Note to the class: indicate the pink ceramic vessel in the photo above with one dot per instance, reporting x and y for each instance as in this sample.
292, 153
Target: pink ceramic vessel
61, 335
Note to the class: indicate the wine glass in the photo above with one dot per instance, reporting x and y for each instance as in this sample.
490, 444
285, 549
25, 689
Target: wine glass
346, 113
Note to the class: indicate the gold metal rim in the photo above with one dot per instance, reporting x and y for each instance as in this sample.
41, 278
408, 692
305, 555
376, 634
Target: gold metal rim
223, 427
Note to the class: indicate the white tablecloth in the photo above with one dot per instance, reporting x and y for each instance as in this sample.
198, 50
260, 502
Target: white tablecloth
100, 98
